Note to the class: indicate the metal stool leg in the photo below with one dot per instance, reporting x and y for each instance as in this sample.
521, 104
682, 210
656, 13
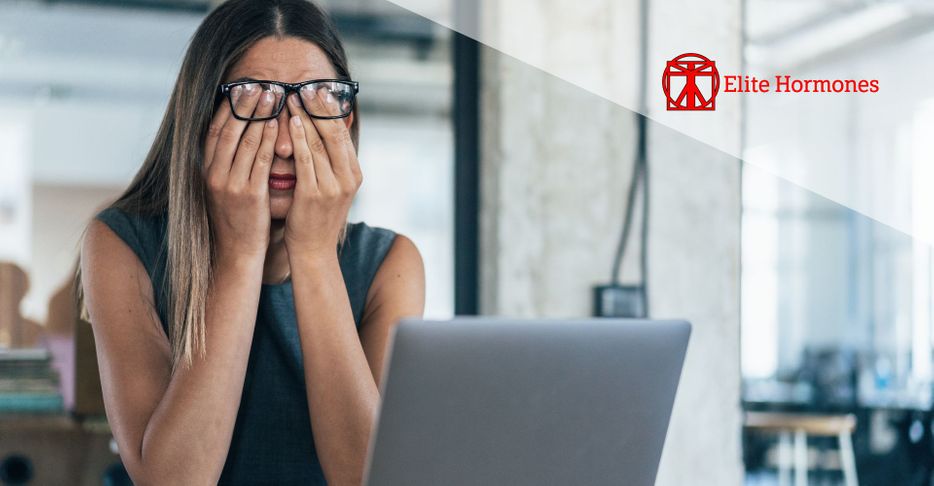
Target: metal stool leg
847, 459
784, 458
801, 458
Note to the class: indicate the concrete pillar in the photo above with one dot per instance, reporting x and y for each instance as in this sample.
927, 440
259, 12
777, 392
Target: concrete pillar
695, 241
556, 164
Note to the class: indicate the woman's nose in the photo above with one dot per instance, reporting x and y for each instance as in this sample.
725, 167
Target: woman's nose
283, 139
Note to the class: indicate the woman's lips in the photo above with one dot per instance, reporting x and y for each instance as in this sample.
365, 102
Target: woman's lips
281, 182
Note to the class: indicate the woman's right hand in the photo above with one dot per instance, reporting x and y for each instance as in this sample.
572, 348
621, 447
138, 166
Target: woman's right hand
236, 173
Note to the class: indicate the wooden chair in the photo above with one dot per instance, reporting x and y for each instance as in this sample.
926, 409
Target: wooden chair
16, 331
801, 426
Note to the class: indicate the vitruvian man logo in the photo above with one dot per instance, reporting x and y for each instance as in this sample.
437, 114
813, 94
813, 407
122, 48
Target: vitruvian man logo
694, 81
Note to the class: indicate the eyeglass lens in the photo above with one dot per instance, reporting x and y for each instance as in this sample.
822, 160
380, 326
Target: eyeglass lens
320, 99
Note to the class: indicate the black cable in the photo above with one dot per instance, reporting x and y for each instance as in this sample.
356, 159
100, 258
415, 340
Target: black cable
640, 171
643, 157
627, 221
644, 241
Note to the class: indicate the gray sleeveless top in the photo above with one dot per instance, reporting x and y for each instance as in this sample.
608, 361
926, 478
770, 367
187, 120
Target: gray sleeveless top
272, 441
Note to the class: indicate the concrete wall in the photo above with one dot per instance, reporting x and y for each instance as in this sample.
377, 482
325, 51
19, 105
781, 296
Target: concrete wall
556, 164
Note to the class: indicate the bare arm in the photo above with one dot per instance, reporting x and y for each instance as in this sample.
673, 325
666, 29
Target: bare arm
175, 428
170, 429
343, 395
397, 291
342, 367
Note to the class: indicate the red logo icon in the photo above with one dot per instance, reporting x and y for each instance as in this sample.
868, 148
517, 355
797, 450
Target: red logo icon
695, 80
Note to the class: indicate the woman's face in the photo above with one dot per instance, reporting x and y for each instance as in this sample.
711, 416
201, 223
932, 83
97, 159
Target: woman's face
289, 60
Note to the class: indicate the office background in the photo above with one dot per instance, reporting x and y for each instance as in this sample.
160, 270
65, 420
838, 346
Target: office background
508, 163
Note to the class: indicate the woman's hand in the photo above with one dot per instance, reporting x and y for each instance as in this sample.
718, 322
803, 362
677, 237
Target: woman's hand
236, 172
328, 176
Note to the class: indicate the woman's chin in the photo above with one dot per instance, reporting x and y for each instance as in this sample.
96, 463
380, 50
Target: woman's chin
279, 208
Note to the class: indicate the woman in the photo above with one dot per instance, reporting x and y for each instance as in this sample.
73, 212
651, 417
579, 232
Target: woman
240, 321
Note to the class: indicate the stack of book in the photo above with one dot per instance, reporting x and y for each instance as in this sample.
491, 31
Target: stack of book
28, 383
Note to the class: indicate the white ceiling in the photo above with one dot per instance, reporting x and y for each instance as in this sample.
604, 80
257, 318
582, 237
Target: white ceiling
788, 35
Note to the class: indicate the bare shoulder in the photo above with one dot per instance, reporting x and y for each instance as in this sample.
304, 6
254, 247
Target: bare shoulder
400, 279
403, 254
105, 256
99, 240
113, 279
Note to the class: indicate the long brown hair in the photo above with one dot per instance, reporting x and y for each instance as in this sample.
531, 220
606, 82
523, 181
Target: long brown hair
170, 181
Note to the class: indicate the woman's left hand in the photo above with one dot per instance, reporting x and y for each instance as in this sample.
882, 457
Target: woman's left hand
327, 178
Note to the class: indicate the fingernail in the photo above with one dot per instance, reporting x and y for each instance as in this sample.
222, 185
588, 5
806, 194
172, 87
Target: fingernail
267, 97
272, 123
250, 88
296, 121
236, 93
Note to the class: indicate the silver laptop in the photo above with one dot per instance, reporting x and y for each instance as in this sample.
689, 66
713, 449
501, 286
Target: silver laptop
493, 401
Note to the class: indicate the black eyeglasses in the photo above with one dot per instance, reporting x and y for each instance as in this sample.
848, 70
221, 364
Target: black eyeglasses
335, 97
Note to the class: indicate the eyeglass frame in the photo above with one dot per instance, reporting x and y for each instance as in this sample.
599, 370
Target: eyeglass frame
226, 88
